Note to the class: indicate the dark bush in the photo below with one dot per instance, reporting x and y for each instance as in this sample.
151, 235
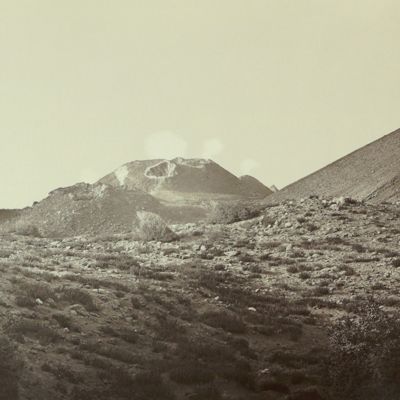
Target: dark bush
80, 296
225, 320
32, 328
230, 212
396, 263
9, 371
25, 228
191, 374
35, 290
364, 356
144, 386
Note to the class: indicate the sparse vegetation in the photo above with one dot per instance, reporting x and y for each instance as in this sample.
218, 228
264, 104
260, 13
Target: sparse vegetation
191, 374
396, 263
80, 296
103, 317
230, 212
225, 320
23, 327
10, 369
365, 354
26, 228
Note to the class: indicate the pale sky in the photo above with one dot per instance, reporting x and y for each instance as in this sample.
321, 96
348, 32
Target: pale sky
274, 88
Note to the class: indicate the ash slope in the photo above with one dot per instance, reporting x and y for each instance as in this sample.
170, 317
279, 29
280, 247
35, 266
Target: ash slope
184, 178
371, 173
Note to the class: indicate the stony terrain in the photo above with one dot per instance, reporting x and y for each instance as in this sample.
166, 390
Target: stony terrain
226, 311
371, 173
94, 209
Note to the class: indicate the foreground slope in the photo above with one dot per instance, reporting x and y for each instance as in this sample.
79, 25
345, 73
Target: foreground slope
371, 173
226, 312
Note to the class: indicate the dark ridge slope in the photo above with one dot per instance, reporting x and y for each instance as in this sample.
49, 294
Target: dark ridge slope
371, 173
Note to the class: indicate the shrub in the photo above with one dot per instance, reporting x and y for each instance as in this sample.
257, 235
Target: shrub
26, 229
358, 248
114, 352
348, 271
145, 385
304, 275
153, 227
312, 227
80, 296
191, 373
25, 301
268, 220
37, 290
209, 392
321, 291
225, 320
239, 372
230, 212
396, 263
364, 355
32, 328
9, 371
65, 321
127, 334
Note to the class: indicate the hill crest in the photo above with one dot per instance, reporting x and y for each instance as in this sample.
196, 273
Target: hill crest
371, 173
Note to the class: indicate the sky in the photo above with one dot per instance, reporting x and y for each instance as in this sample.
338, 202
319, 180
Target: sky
272, 88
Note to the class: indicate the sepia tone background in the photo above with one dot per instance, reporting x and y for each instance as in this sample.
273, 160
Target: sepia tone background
276, 88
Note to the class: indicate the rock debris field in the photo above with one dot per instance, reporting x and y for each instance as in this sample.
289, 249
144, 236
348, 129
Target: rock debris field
255, 309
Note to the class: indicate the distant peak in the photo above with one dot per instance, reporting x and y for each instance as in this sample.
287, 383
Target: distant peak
274, 188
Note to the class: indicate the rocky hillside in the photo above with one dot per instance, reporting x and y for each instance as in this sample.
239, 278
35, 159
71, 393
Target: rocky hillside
371, 173
255, 310
184, 178
6, 215
95, 209
178, 190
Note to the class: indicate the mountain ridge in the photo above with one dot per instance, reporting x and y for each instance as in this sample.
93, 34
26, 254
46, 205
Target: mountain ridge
370, 173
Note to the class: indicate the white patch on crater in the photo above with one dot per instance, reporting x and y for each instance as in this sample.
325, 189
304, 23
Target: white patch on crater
162, 170
121, 174
99, 190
